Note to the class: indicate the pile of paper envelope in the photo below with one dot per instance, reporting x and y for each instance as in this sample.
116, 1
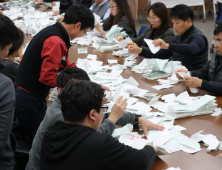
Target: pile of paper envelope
156, 68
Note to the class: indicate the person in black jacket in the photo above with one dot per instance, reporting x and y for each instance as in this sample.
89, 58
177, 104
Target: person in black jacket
209, 77
11, 67
121, 16
76, 144
190, 46
8, 35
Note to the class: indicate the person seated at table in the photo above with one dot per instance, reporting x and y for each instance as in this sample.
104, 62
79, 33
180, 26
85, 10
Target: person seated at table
209, 77
75, 142
45, 56
11, 67
161, 26
101, 8
54, 113
121, 16
9, 35
190, 46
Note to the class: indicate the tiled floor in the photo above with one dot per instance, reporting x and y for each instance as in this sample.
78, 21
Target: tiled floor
207, 28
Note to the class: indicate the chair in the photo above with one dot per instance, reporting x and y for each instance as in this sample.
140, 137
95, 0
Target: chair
219, 14
142, 30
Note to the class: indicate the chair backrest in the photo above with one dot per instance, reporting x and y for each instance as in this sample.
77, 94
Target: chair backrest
219, 14
142, 30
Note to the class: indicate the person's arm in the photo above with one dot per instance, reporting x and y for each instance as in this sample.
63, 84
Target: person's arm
212, 86
7, 106
107, 127
120, 156
162, 54
68, 64
139, 40
196, 45
201, 73
52, 52
167, 38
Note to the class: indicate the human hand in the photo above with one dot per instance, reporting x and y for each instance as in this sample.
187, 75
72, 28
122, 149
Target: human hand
105, 88
161, 43
118, 110
134, 49
150, 144
53, 3
146, 125
180, 70
192, 82
120, 38
1, 12
60, 19
97, 27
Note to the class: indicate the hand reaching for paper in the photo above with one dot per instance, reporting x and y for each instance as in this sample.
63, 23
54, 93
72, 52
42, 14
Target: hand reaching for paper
193, 82
146, 125
1, 12
97, 27
118, 110
180, 70
120, 38
161, 43
133, 48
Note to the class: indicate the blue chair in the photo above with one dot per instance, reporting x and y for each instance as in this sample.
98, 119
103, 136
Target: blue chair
142, 30
218, 19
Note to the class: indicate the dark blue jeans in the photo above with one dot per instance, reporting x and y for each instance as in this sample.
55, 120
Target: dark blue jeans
30, 111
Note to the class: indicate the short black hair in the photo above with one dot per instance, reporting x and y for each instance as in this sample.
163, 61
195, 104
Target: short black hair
78, 98
218, 29
71, 73
18, 43
79, 13
8, 31
182, 12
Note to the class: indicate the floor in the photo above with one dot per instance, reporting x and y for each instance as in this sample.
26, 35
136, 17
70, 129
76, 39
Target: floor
207, 28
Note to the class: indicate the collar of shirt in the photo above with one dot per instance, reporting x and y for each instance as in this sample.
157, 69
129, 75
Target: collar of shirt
102, 3
64, 29
187, 33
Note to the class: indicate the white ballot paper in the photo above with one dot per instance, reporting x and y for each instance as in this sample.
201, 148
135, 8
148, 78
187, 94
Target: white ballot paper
193, 90
150, 44
123, 43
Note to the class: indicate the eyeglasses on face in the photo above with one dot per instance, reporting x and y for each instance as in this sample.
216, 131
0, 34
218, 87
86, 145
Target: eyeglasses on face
216, 42
111, 7
105, 108
151, 19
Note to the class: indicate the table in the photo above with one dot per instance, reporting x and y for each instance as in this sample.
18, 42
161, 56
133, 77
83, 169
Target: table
202, 160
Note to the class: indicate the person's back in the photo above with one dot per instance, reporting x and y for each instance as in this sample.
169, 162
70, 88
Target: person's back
11, 68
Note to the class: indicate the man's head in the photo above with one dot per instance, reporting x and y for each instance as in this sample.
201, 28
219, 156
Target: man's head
182, 18
218, 39
78, 20
68, 74
8, 35
98, 1
81, 103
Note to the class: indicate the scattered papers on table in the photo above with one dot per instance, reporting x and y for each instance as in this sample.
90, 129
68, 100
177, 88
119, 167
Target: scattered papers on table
82, 50
217, 112
123, 43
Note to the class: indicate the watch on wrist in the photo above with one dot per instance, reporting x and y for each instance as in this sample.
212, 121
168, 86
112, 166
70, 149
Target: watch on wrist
137, 118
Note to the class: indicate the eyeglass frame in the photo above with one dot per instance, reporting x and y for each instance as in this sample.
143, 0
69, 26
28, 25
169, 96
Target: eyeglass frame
111, 7
216, 42
105, 108
151, 19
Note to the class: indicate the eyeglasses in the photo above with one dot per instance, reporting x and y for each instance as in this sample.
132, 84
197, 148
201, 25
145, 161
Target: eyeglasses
111, 7
105, 108
216, 42
150, 19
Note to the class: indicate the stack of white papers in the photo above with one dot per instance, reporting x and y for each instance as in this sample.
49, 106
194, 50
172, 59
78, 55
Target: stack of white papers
114, 32
127, 129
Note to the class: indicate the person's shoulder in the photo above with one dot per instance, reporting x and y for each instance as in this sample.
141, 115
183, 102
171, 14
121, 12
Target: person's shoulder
169, 31
54, 40
6, 83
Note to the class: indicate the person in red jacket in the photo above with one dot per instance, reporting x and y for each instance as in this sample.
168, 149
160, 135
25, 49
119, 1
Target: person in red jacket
45, 56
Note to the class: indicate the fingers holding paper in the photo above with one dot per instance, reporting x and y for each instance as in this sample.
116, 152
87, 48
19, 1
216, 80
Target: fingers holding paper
120, 38
146, 125
193, 82
118, 110
161, 43
97, 27
180, 70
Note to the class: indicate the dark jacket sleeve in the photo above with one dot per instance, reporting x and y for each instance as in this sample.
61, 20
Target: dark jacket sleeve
7, 106
139, 40
195, 46
201, 73
162, 54
120, 156
124, 23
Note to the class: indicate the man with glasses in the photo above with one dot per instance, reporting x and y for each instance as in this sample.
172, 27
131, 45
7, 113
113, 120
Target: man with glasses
75, 143
54, 113
209, 77
45, 56
101, 8
190, 46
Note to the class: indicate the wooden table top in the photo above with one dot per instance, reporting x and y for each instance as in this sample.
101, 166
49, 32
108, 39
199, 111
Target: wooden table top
202, 160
